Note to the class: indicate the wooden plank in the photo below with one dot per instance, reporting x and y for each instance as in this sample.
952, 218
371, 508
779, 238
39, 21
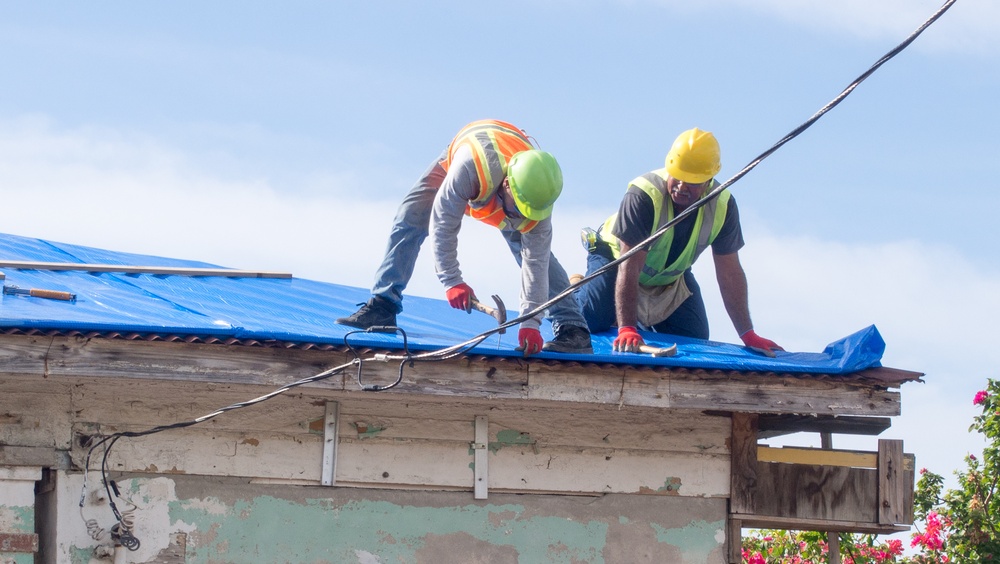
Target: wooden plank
35, 419
331, 427
833, 544
734, 540
44, 457
481, 469
789, 523
21, 543
743, 462
386, 417
802, 455
123, 269
778, 394
893, 490
826, 457
415, 464
833, 493
776, 425
549, 424
557, 383
77, 357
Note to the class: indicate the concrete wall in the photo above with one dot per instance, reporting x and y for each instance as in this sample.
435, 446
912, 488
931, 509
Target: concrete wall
222, 520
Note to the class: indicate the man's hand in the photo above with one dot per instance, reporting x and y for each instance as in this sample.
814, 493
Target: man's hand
755, 341
530, 341
628, 340
460, 297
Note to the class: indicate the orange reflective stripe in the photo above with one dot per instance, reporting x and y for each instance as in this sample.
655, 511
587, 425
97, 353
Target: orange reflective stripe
492, 143
492, 213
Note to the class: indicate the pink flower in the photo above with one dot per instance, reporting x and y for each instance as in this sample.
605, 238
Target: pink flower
981, 396
756, 559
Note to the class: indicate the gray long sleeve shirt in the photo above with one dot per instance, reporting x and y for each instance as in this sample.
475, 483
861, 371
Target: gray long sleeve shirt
460, 186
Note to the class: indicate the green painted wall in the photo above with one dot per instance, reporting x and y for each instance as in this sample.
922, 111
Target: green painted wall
384, 526
17, 519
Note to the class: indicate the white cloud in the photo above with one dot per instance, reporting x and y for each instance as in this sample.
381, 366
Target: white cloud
969, 26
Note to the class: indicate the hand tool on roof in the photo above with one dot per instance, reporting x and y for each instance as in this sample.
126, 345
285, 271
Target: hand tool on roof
500, 313
39, 293
659, 351
762, 351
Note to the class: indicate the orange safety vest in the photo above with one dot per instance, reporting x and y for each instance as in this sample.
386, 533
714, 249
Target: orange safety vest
492, 143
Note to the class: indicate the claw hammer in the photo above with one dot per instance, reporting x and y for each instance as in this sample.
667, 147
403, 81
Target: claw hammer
500, 313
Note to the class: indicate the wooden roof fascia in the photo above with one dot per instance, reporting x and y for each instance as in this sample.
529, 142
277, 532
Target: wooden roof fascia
512, 379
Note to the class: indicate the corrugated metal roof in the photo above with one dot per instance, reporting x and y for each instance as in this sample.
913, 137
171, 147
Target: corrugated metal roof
295, 312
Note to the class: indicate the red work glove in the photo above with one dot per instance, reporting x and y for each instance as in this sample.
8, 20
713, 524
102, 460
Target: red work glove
460, 297
628, 340
530, 341
755, 341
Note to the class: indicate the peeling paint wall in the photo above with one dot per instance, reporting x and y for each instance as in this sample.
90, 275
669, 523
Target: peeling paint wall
17, 513
227, 520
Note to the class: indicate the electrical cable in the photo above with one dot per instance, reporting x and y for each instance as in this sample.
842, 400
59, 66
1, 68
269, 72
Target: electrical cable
457, 349
644, 244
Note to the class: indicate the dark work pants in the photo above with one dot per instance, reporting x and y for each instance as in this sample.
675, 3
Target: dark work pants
597, 299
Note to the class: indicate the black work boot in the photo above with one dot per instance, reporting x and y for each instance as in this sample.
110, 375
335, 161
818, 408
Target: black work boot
570, 339
376, 312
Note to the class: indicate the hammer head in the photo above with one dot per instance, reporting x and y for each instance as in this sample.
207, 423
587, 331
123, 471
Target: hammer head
500, 313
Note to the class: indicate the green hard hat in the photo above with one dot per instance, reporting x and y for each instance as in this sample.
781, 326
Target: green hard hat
535, 181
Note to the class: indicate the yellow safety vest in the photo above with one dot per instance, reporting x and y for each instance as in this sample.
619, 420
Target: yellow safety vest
708, 222
492, 143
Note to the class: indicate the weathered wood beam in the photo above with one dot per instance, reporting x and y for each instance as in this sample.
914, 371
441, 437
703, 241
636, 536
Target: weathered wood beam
789, 523
893, 489
79, 357
743, 462
830, 457
776, 425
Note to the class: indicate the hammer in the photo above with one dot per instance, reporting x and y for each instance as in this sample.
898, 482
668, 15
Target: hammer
500, 313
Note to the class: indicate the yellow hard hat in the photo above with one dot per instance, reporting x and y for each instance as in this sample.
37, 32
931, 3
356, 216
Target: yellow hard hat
694, 157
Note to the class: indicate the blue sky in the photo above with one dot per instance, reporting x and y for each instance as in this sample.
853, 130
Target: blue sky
281, 137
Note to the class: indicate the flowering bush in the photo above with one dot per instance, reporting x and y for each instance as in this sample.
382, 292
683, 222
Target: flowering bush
806, 547
960, 526
963, 524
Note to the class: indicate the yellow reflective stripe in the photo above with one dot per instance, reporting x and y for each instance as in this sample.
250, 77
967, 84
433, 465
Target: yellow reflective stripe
708, 223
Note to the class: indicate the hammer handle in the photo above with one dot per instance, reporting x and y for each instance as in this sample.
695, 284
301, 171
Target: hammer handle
51, 294
479, 306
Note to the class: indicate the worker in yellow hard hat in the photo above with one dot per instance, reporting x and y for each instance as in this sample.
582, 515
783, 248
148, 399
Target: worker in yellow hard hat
654, 289
492, 173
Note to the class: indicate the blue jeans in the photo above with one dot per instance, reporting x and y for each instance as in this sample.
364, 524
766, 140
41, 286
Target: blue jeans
411, 227
409, 230
597, 300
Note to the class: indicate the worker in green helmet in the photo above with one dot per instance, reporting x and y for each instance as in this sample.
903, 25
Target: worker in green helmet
492, 173
655, 289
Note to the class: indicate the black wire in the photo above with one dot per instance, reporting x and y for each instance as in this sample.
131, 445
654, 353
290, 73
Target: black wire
643, 245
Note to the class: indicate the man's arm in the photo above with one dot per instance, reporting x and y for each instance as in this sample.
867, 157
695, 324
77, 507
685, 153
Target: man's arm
458, 187
733, 287
627, 286
536, 249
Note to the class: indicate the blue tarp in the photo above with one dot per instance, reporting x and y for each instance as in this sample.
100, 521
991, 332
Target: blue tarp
303, 311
